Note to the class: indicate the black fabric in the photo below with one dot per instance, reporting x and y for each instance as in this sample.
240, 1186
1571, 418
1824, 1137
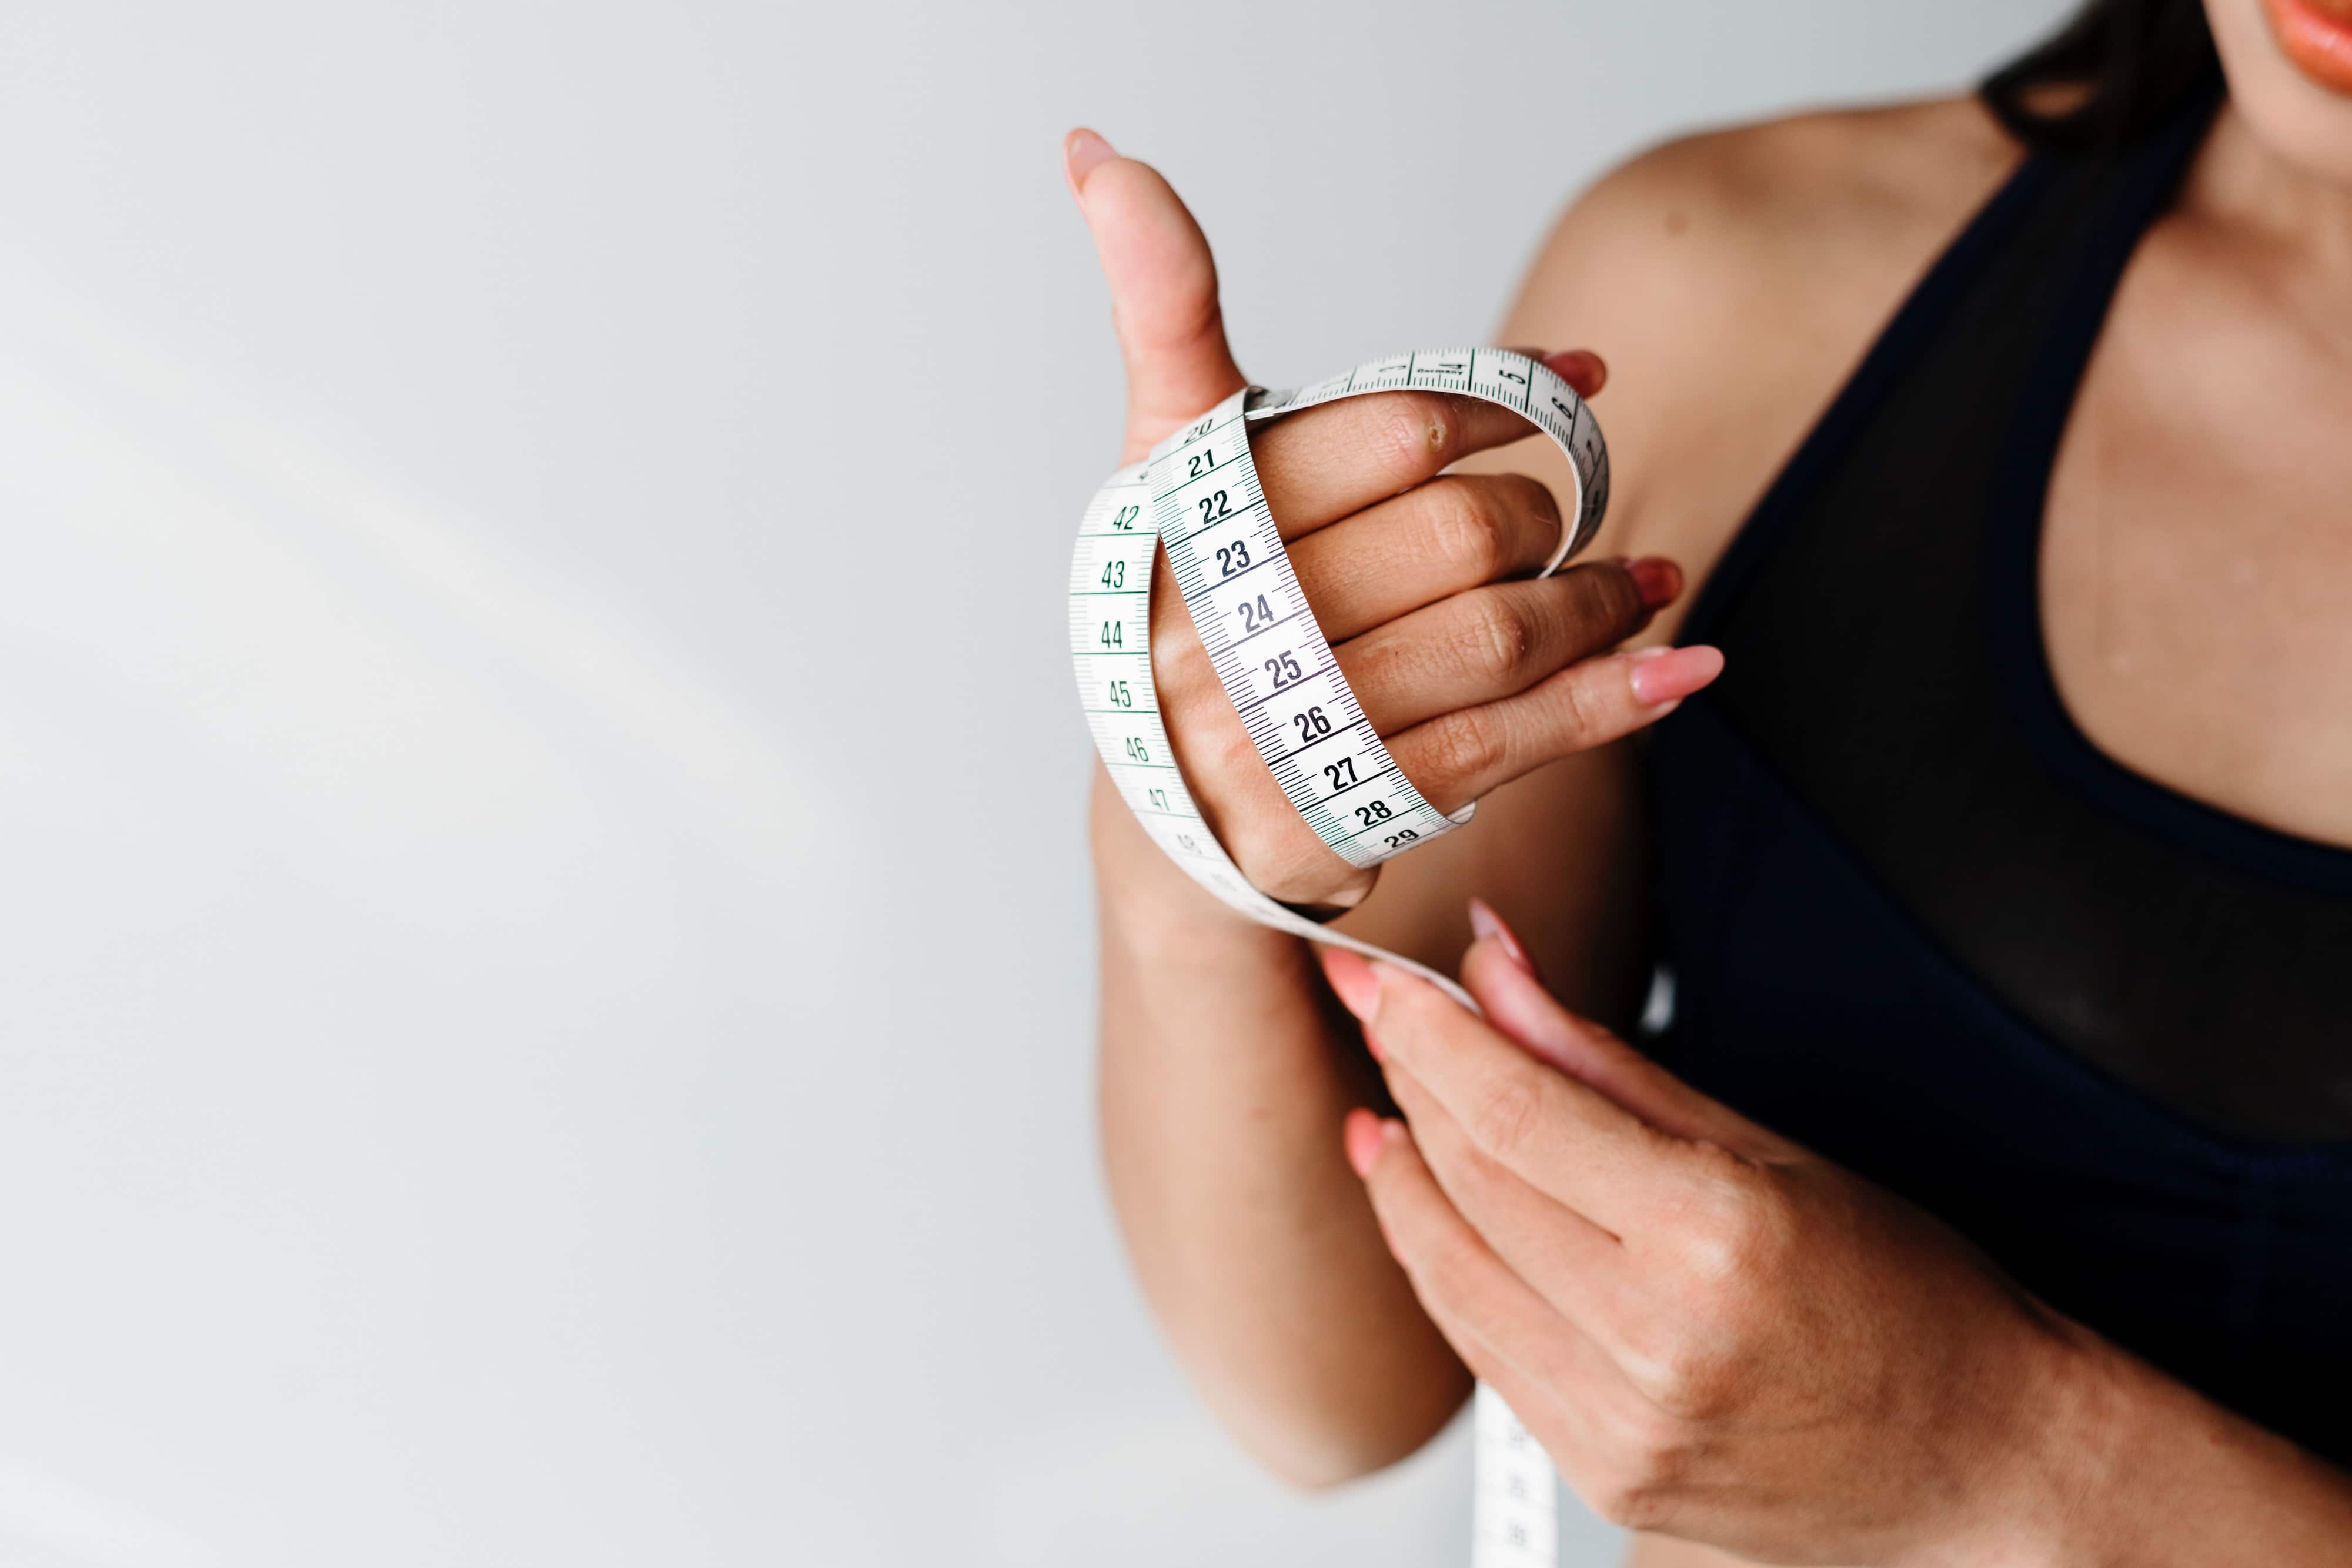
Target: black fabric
1918, 923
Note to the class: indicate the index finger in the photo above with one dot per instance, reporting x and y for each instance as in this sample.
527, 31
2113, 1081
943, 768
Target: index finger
1331, 461
1564, 1138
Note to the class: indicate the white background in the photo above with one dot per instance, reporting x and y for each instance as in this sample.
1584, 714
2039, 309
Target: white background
544, 959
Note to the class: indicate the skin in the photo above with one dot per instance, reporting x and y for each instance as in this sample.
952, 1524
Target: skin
1329, 1320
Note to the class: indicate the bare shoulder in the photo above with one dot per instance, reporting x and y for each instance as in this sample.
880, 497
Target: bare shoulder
1732, 279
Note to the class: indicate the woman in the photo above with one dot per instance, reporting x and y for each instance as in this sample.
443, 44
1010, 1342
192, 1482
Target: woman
1988, 1198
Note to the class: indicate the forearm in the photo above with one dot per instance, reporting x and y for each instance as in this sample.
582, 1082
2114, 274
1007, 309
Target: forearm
2155, 1475
1225, 1077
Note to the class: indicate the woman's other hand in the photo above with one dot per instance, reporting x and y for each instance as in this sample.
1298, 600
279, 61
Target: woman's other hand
1471, 672
1716, 1334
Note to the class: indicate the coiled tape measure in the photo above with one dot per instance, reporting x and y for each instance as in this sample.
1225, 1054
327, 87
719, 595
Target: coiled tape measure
1197, 496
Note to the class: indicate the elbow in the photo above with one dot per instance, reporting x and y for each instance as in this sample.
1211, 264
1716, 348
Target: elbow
1331, 1438
1308, 1467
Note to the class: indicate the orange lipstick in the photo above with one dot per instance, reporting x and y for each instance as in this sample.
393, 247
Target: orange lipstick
2316, 37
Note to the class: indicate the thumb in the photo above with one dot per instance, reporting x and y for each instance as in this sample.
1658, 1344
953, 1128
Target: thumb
1163, 290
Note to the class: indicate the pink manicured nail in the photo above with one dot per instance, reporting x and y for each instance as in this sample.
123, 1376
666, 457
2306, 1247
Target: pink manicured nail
1658, 579
1358, 989
1488, 926
1360, 1136
1669, 674
1082, 150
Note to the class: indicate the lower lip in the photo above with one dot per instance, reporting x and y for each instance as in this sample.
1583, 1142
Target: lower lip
2317, 40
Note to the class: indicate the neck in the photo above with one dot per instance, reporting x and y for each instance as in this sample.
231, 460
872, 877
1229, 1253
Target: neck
2251, 194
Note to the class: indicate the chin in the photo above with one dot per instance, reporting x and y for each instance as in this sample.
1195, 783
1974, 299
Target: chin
2290, 67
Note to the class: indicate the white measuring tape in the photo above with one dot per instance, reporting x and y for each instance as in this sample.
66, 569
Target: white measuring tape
1198, 495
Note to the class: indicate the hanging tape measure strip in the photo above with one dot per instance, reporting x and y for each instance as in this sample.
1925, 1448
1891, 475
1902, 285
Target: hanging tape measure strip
1198, 495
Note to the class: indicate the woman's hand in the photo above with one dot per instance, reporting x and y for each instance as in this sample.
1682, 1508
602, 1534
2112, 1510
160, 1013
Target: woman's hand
1716, 1333
1472, 674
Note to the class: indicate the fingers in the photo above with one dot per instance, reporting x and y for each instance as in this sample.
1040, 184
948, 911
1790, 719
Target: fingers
1452, 533
1328, 462
1506, 1332
1489, 643
1163, 290
1564, 1138
1459, 756
1518, 1006
1574, 1265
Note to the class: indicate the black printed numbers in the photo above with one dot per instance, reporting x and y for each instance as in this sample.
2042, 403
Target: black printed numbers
1124, 518
1234, 559
1342, 773
1201, 462
1376, 812
1402, 837
1312, 724
1257, 614
1284, 670
1213, 508
1114, 575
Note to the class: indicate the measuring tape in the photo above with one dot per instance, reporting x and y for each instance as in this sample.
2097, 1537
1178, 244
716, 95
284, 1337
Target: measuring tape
1197, 496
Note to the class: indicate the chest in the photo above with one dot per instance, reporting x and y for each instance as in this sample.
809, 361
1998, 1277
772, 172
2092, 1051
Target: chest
2196, 557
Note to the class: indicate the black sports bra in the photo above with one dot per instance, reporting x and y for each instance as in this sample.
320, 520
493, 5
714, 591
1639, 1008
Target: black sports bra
2201, 960
1919, 924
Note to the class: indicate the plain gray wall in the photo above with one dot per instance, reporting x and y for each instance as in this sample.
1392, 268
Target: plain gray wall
544, 959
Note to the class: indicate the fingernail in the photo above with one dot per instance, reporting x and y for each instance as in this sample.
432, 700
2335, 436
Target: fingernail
1581, 368
1360, 1136
1658, 579
1372, 1044
1358, 988
1669, 674
1082, 152
1488, 926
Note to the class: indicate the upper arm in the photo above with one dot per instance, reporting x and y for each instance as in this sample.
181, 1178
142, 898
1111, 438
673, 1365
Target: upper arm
1732, 281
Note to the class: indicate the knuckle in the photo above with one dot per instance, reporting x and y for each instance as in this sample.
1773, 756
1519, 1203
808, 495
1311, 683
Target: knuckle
1576, 723
1249, 815
1649, 1468
1630, 1494
1469, 529
1606, 600
1500, 639
1268, 851
1533, 498
1741, 1231
1410, 434
1505, 1116
1690, 1377
1466, 747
